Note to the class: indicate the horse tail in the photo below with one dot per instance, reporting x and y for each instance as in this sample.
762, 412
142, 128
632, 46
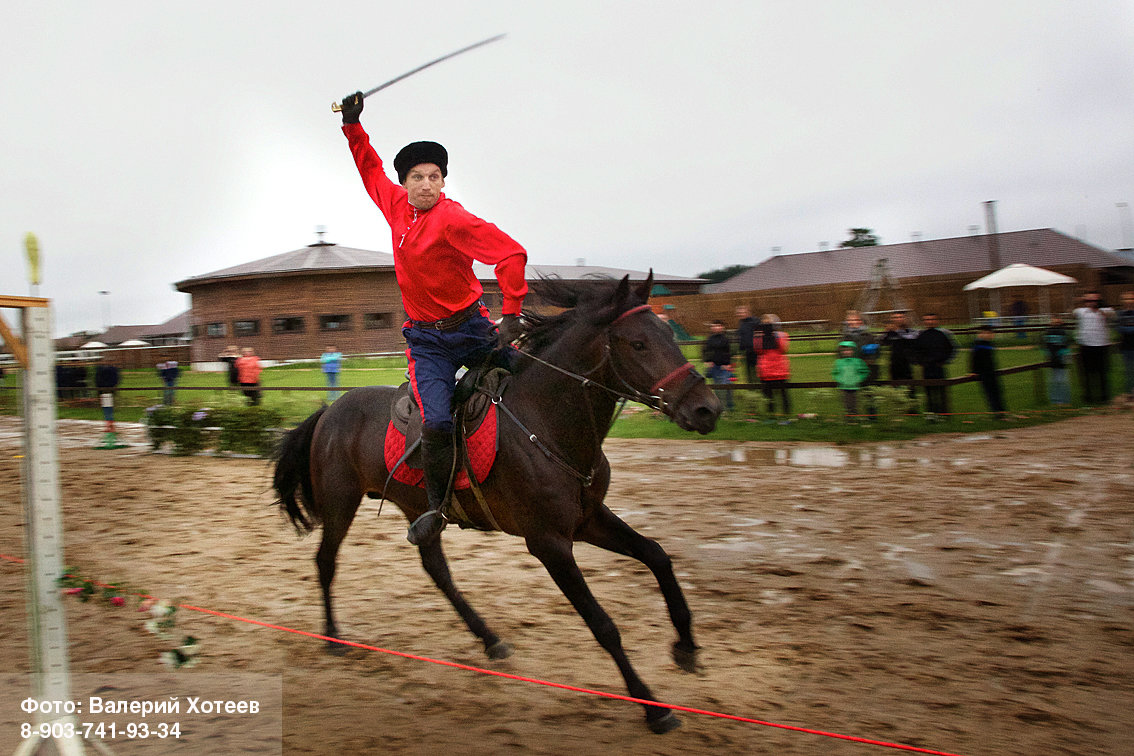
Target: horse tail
293, 475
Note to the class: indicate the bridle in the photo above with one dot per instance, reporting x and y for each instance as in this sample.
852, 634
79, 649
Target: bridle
668, 391
663, 395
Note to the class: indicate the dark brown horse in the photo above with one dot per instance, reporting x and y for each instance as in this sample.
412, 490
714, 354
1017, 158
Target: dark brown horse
550, 476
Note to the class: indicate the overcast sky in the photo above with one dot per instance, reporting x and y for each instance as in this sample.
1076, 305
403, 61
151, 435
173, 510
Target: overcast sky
148, 142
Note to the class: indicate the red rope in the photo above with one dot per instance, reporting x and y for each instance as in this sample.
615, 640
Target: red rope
536, 681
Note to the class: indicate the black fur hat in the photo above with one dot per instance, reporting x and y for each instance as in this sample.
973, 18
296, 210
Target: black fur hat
420, 152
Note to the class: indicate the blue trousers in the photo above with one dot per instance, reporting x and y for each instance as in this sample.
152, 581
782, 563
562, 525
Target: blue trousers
1059, 387
434, 358
722, 376
332, 383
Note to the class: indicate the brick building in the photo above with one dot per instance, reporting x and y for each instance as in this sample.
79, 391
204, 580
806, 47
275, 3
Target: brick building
293, 305
818, 287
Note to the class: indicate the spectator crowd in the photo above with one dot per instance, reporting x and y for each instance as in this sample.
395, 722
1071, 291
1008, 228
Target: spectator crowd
757, 351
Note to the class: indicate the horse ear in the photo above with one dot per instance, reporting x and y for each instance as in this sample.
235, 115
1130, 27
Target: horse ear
623, 290
617, 303
643, 292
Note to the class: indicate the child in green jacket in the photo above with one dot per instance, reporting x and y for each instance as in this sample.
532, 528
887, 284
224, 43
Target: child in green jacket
850, 373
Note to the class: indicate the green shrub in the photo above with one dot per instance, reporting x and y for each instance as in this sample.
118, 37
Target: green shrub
240, 430
247, 430
161, 422
889, 402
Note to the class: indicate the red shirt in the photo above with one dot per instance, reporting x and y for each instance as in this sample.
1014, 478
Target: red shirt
434, 249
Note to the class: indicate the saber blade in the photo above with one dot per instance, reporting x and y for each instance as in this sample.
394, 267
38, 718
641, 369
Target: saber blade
336, 107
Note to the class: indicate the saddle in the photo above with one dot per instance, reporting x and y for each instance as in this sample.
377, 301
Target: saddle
474, 415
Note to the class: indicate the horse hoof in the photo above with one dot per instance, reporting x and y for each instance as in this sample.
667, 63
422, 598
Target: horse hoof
498, 650
666, 723
686, 658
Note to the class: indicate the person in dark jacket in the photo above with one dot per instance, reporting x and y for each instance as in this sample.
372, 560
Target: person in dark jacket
229, 357
1057, 345
982, 364
935, 349
745, 331
716, 352
169, 372
106, 381
1124, 322
902, 343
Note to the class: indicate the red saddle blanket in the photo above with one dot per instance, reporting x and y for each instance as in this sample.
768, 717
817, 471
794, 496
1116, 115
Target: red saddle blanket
481, 444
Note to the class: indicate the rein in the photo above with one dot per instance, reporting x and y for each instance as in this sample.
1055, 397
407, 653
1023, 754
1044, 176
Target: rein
685, 376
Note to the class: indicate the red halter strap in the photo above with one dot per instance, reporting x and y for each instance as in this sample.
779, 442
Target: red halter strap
685, 369
632, 311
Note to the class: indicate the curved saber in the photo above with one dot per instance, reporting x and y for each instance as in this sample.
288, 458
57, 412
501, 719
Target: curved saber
336, 107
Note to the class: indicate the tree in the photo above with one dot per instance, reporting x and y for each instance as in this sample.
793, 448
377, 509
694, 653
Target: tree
723, 274
861, 237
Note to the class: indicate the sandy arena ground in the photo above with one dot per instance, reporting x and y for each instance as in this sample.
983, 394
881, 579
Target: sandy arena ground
964, 594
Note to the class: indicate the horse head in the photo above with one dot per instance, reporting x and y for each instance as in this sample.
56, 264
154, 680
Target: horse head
646, 360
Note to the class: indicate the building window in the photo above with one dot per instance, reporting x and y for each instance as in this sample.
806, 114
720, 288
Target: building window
194, 331
246, 327
215, 330
372, 321
287, 325
334, 322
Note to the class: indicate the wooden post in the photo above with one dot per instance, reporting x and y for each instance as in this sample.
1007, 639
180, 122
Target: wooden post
50, 664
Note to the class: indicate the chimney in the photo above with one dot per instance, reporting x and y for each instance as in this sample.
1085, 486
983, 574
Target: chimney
993, 235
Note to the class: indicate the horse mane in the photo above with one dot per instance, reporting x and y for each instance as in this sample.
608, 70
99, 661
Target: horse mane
576, 301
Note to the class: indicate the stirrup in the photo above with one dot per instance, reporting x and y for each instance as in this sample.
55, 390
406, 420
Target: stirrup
425, 528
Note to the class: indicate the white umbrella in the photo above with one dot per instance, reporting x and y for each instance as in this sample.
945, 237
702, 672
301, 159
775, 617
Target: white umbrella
93, 345
1019, 274
134, 342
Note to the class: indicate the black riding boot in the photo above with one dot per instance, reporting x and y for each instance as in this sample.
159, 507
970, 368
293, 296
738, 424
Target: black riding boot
437, 461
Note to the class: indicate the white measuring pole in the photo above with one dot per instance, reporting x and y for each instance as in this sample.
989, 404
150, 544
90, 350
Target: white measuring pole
47, 622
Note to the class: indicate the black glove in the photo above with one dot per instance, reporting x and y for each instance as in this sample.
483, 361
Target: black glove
508, 330
352, 107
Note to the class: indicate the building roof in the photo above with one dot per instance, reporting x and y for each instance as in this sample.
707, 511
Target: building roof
178, 325
323, 256
1042, 247
583, 273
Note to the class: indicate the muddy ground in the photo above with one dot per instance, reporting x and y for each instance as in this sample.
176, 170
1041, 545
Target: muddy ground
958, 593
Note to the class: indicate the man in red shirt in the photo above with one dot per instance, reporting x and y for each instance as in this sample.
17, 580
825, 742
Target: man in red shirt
435, 242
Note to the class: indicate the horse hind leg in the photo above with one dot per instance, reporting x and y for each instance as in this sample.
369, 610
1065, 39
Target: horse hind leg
555, 554
437, 567
607, 531
340, 510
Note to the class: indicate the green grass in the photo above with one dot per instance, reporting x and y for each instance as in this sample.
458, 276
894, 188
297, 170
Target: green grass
130, 405
1027, 402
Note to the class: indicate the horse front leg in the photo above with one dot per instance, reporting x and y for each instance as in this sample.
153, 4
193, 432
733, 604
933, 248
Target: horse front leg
607, 531
437, 566
556, 555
